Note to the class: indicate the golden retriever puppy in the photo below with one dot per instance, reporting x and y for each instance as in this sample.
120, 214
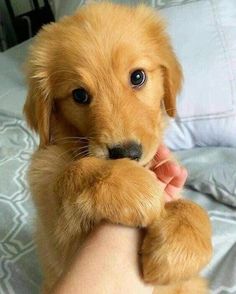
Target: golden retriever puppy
100, 85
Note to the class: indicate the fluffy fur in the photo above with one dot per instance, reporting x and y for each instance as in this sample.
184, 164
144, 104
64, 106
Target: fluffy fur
73, 184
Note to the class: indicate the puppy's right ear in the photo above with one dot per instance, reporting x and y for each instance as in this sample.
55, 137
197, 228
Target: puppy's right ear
38, 105
37, 110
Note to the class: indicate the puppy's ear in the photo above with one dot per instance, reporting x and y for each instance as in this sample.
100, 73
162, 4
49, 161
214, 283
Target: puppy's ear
172, 79
172, 70
37, 110
38, 105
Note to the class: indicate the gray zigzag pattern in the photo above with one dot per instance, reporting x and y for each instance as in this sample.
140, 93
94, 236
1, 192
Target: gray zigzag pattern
16, 242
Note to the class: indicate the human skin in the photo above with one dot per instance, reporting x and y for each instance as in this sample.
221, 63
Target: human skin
170, 174
108, 262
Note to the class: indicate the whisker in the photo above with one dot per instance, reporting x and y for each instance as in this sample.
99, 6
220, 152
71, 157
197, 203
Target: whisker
84, 148
71, 138
80, 150
82, 154
64, 142
63, 153
72, 150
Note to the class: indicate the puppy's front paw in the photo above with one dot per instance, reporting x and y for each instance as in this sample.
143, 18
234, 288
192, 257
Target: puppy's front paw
178, 246
157, 266
119, 191
130, 195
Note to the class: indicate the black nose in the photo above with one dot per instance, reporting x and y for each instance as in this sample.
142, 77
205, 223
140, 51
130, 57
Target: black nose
130, 150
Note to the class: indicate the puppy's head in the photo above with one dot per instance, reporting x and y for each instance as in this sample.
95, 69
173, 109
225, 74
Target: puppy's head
104, 74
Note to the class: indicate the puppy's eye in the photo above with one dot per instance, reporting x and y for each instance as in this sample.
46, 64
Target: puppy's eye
137, 78
81, 96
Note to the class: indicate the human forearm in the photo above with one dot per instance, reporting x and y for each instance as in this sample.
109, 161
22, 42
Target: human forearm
107, 263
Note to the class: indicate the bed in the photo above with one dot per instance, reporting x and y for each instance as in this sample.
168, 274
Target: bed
211, 182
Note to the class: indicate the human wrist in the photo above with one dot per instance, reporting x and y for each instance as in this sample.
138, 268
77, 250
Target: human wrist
123, 240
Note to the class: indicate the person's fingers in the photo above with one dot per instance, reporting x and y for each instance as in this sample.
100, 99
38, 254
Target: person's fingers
180, 180
162, 154
167, 171
174, 187
170, 174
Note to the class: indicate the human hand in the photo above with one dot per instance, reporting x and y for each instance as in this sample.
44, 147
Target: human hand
168, 172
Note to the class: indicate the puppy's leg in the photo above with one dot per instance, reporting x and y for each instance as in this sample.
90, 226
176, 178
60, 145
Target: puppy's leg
193, 286
73, 196
178, 246
120, 191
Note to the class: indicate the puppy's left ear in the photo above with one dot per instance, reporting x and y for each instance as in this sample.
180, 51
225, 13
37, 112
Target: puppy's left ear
173, 77
171, 69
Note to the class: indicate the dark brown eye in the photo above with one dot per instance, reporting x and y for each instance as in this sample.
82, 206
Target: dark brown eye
137, 78
81, 96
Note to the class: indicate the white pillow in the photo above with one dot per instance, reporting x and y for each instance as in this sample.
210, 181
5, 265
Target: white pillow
204, 37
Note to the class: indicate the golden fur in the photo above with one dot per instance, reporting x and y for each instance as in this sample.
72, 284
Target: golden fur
73, 184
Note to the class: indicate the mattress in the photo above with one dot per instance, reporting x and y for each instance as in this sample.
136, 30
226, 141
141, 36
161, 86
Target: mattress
19, 266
